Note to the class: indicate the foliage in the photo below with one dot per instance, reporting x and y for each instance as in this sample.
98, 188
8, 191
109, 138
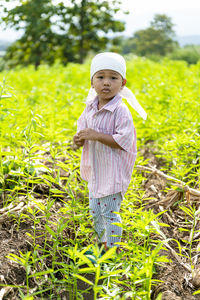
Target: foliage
158, 39
59, 31
189, 53
36, 128
170, 91
150, 41
38, 42
88, 22
164, 24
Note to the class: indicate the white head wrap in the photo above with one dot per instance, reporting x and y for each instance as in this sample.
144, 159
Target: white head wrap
115, 62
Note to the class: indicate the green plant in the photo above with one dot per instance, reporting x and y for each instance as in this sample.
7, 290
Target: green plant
39, 166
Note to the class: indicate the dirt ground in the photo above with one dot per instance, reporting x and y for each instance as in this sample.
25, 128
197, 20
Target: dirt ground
13, 240
177, 280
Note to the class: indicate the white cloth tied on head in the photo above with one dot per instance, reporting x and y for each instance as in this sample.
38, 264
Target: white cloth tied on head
115, 62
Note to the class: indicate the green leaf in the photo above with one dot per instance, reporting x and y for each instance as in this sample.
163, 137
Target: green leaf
112, 273
16, 258
87, 270
83, 258
187, 211
38, 274
83, 279
50, 231
109, 254
6, 153
56, 191
196, 292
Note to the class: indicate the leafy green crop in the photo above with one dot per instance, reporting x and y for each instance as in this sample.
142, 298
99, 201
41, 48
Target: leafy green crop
39, 165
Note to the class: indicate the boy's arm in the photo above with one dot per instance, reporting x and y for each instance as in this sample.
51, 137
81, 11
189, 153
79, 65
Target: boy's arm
124, 132
108, 140
92, 135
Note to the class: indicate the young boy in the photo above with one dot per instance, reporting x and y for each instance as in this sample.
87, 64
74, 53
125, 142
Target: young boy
107, 134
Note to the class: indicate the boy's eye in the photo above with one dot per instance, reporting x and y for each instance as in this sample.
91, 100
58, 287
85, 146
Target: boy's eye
100, 77
113, 77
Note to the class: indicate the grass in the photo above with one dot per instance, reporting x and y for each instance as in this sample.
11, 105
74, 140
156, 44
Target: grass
36, 127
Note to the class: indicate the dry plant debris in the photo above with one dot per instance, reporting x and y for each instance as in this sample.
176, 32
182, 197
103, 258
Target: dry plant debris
180, 206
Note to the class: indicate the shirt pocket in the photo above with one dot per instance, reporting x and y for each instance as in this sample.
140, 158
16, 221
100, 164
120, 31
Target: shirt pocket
105, 130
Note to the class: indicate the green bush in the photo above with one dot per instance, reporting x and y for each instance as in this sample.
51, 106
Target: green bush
191, 54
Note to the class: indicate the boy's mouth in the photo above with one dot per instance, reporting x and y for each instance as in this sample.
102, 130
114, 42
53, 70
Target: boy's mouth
105, 90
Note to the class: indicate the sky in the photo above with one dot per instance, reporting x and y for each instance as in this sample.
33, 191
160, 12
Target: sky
184, 14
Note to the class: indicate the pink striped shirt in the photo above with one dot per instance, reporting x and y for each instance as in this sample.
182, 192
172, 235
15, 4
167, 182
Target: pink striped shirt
108, 170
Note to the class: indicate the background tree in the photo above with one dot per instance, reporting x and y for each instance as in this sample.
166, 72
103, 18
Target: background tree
38, 41
164, 24
158, 39
68, 30
87, 23
152, 41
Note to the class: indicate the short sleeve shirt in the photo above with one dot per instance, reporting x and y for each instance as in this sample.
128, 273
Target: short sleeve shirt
108, 170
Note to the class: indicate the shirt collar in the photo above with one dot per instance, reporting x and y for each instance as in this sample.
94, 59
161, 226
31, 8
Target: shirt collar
110, 106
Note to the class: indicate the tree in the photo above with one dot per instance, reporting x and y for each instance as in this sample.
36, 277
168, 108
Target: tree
157, 39
88, 23
38, 41
151, 41
68, 30
164, 24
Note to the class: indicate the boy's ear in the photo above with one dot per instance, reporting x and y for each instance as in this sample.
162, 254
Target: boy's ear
124, 82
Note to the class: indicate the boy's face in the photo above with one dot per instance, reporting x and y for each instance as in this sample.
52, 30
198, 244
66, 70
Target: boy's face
107, 84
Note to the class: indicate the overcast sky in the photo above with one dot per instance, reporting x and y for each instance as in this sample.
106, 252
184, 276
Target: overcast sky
184, 14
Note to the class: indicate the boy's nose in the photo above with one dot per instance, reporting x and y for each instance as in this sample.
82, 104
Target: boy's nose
106, 82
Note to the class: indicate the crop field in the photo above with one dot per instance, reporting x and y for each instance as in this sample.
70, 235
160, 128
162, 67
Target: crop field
45, 226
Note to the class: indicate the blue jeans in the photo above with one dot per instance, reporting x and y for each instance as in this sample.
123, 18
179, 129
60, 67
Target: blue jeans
103, 212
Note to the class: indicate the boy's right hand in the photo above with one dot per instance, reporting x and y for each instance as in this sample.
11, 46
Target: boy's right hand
77, 141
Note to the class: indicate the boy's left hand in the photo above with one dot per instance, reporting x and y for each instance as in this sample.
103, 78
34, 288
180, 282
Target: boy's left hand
88, 134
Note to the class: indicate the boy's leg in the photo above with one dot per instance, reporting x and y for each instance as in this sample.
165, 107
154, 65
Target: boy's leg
95, 211
109, 205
